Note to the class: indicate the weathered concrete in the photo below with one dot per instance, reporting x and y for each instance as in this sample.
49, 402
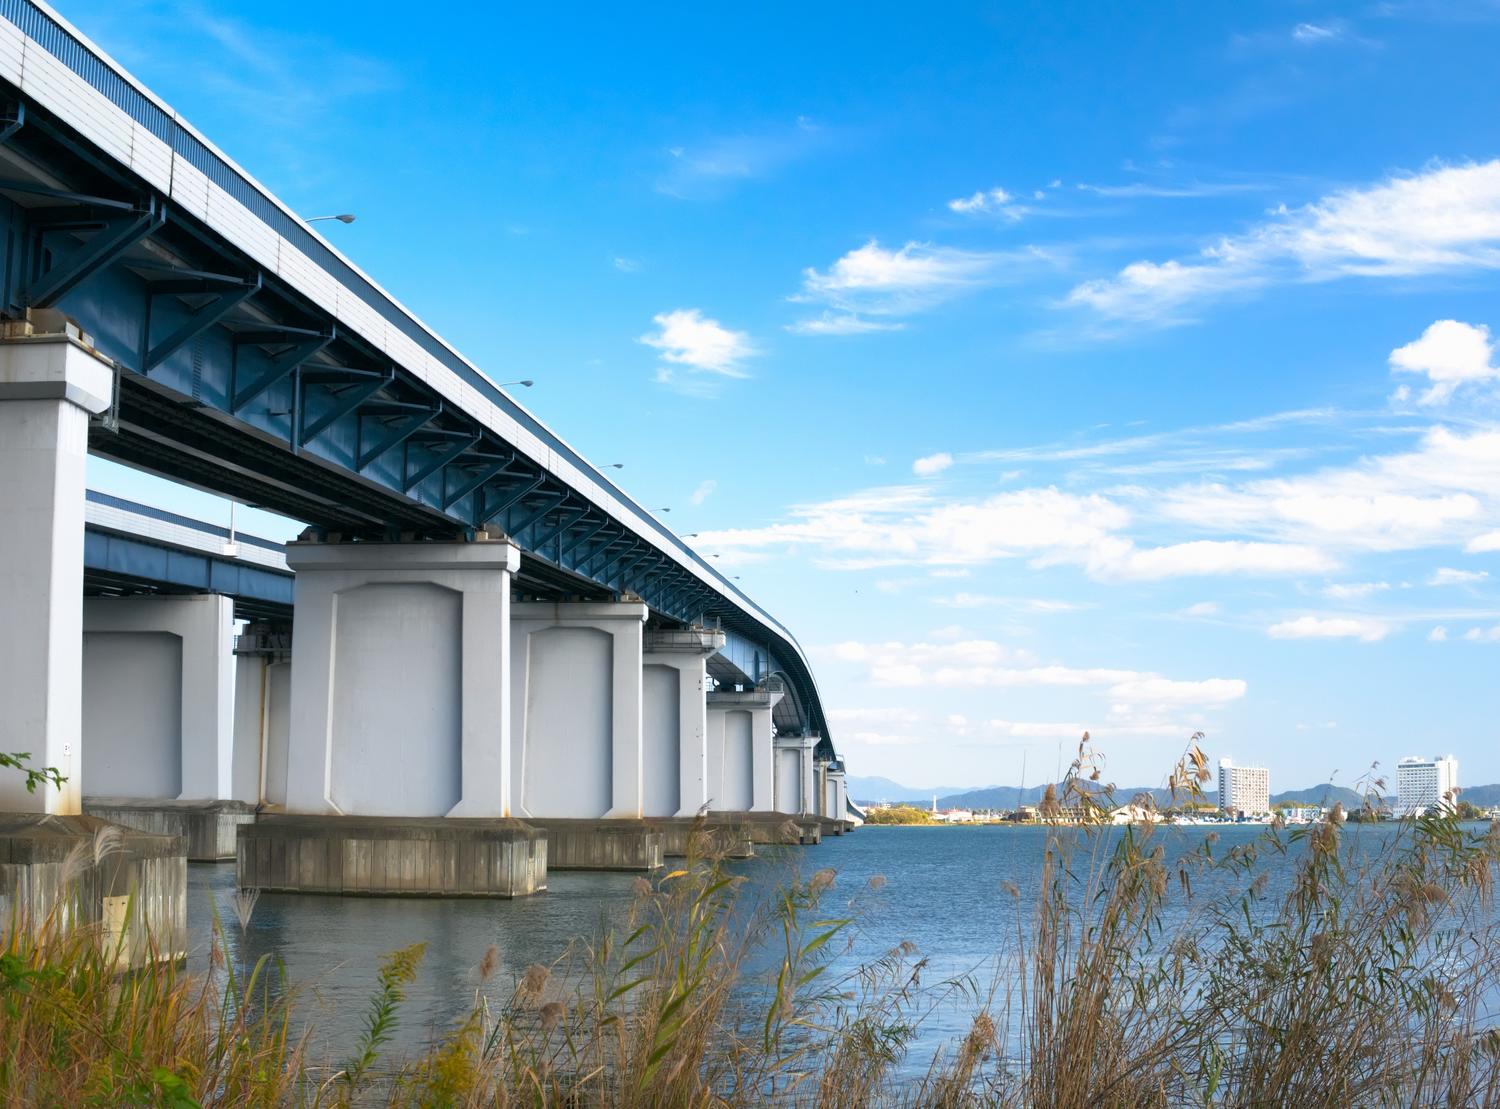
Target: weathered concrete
209, 828
392, 856
772, 829
796, 781
675, 719
262, 704
158, 697
399, 700
601, 844
576, 681
49, 385
717, 836
66, 872
741, 776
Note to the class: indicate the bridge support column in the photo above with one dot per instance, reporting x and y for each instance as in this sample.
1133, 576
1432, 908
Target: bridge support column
576, 715
742, 767
796, 783
398, 762
675, 720
49, 386
262, 706
158, 717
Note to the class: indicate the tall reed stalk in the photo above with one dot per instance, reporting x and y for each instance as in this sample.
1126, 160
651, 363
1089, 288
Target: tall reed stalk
1327, 967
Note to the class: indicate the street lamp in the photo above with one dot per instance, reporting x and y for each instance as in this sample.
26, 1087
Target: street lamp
528, 383
344, 218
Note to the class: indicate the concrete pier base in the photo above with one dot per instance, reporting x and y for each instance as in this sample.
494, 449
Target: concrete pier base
210, 828
67, 872
392, 856
718, 838
601, 844
773, 829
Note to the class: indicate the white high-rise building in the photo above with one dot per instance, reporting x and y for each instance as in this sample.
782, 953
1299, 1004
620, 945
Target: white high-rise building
1244, 789
1423, 784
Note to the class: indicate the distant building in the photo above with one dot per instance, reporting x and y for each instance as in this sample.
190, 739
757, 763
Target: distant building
1426, 784
1244, 790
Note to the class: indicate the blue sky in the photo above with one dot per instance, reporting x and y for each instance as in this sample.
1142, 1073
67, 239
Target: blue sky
1043, 367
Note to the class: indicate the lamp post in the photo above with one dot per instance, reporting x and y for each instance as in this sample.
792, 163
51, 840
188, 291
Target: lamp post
342, 218
528, 383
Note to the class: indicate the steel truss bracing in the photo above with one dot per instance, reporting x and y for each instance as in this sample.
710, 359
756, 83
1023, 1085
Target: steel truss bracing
235, 381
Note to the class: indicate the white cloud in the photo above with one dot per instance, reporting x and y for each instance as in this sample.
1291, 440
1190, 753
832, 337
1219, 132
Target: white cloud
986, 664
1440, 492
1202, 608
1445, 218
1365, 629
1313, 33
688, 338
1022, 604
841, 323
932, 464
1438, 634
626, 265
1483, 635
1354, 590
1447, 575
899, 525
1164, 691
871, 283
1483, 544
1451, 354
704, 490
915, 267
994, 201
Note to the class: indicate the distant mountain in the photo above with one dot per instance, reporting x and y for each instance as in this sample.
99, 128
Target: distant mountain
1325, 794
866, 790
1010, 797
1483, 796
876, 788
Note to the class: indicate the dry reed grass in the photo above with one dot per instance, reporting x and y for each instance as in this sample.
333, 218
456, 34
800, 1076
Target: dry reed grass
1361, 981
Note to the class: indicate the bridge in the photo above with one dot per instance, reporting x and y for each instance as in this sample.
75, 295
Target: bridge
483, 620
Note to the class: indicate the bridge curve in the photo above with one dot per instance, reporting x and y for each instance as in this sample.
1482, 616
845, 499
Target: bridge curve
255, 360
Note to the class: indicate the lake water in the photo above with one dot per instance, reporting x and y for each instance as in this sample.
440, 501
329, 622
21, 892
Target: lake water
943, 891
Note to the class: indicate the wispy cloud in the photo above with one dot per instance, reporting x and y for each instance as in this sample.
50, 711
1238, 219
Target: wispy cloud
1448, 575
686, 337
710, 167
1445, 218
989, 202
704, 490
1365, 629
879, 282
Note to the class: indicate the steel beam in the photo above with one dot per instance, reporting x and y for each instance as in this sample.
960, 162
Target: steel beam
201, 318
116, 235
304, 343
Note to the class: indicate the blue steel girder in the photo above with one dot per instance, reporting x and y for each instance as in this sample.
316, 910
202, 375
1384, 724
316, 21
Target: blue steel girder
345, 389
474, 473
114, 232
297, 344
489, 510
566, 545
443, 447
224, 292
530, 514
396, 422
566, 519
197, 417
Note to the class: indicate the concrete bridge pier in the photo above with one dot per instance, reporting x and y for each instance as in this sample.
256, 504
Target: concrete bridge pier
676, 741
158, 718
50, 384
741, 764
398, 744
578, 752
